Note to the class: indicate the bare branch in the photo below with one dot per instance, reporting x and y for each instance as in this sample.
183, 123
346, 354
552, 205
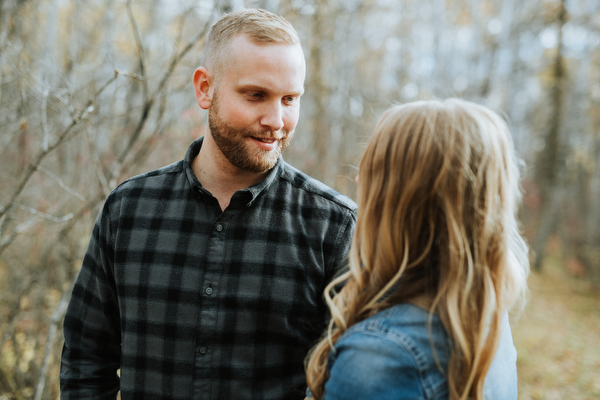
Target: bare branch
22, 227
61, 183
7, 240
91, 203
42, 214
97, 164
140, 46
46, 139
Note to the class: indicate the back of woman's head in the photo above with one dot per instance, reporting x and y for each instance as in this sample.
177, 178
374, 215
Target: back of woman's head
439, 181
438, 195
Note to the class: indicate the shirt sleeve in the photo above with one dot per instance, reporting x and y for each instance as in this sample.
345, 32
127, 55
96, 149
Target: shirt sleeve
367, 365
339, 258
91, 351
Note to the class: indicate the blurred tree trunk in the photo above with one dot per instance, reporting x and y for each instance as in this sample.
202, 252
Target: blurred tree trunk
589, 175
581, 208
550, 159
320, 125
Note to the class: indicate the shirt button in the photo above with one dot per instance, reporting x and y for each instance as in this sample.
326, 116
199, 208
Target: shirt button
202, 350
208, 290
219, 228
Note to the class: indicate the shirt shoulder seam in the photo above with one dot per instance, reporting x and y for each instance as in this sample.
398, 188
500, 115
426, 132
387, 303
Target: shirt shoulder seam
310, 185
173, 168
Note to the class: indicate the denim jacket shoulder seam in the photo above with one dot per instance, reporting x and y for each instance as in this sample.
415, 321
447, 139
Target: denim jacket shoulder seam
378, 327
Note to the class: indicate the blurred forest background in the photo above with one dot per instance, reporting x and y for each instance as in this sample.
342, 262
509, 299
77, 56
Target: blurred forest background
95, 91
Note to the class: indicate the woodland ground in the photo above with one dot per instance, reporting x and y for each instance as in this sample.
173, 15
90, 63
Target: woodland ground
557, 336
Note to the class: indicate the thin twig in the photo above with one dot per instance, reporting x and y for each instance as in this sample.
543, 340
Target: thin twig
97, 164
140, 46
46, 139
5, 241
44, 215
61, 183
91, 203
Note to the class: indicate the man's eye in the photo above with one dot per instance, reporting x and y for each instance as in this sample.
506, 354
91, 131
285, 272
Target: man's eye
289, 99
256, 95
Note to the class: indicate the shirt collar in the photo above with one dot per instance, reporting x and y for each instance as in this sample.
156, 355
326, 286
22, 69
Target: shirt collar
248, 194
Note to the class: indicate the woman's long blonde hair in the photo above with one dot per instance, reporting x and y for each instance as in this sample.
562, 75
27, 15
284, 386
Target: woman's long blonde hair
438, 196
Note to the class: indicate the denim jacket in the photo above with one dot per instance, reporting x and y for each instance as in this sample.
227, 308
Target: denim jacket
389, 356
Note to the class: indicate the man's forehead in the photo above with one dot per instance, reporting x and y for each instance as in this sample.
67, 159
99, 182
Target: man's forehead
272, 66
243, 42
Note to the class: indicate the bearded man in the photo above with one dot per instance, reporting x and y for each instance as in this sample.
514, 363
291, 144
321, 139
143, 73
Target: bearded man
204, 279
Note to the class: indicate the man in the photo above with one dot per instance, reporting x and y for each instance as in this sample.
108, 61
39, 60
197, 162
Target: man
204, 279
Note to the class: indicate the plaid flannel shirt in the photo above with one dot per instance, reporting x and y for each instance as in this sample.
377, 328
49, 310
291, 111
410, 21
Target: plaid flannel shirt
193, 303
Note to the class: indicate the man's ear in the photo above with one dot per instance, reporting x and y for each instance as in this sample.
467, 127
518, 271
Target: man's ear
203, 84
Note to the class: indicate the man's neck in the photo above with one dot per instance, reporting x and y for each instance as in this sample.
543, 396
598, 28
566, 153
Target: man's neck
218, 175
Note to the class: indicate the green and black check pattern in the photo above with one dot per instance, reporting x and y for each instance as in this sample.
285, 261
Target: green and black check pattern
193, 303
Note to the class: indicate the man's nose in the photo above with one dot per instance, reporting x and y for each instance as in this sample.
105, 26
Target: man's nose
273, 117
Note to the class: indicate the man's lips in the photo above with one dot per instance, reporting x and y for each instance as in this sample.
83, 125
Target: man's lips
267, 144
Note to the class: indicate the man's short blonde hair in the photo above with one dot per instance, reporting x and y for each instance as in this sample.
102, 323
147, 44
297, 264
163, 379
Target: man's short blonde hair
258, 25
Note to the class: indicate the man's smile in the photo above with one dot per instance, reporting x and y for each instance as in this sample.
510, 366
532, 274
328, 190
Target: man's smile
267, 144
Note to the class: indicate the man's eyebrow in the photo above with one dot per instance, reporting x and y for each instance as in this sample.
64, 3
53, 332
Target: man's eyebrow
259, 88
251, 86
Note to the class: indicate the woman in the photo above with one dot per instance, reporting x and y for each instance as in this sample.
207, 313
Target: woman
437, 261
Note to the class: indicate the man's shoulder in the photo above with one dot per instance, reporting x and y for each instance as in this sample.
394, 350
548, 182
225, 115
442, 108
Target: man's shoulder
149, 183
151, 177
313, 187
